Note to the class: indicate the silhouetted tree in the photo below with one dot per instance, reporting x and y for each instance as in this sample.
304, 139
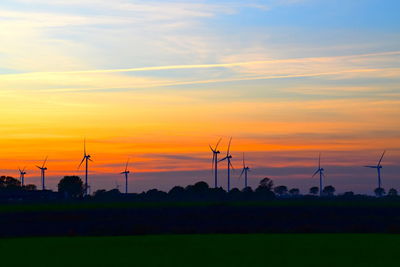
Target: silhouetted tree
314, 190
200, 187
392, 192
155, 195
217, 194
264, 190
281, 190
294, 192
189, 188
247, 190
9, 183
266, 184
99, 192
113, 194
71, 186
348, 194
176, 192
199, 191
247, 193
235, 194
329, 190
379, 192
30, 187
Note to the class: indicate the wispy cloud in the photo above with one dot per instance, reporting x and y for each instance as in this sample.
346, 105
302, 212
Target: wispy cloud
115, 12
339, 67
220, 65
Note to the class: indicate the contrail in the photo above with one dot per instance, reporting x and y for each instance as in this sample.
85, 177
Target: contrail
204, 66
247, 78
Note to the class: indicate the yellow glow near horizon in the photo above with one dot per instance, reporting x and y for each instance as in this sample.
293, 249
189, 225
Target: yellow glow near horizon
135, 124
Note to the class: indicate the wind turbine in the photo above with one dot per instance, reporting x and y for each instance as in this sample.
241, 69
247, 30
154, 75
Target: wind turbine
86, 158
43, 170
22, 176
126, 172
228, 157
321, 174
244, 170
378, 168
214, 163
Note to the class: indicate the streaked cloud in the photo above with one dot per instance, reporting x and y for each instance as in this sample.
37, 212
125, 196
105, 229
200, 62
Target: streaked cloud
224, 65
340, 67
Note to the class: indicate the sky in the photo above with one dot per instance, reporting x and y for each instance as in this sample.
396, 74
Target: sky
158, 81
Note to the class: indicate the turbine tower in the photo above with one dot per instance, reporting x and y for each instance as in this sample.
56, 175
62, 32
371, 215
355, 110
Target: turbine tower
321, 174
228, 157
378, 168
22, 176
86, 158
214, 163
244, 170
126, 172
43, 170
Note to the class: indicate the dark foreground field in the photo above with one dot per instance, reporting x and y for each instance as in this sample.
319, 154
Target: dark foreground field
111, 219
204, 250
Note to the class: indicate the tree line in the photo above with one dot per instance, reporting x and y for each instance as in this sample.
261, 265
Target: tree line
72, 187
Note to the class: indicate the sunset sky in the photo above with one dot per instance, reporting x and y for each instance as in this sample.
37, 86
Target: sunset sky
158, 81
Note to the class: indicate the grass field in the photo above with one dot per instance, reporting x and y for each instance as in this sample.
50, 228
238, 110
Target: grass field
65, 206
204, 250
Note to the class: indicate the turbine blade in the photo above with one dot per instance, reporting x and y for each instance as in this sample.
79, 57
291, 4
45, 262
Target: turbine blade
222, 159
229, 147
244, 164
84, 146
374, 167
216, 146
230, 163
38, 166
315, 173
80, 164
126, 166
24, 168
319, 161
211, 148
379, 163
44, 163
241, 173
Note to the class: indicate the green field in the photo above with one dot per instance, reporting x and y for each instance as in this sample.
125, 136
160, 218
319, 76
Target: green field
204, 250
66, 206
